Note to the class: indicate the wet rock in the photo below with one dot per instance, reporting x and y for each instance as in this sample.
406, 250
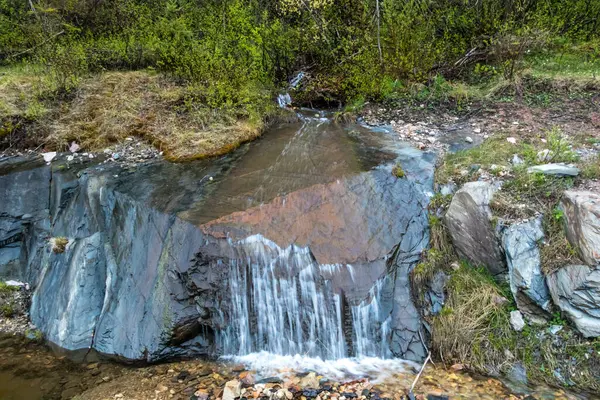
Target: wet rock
555, 169
575, 289
310, 381
435, 296
518, 374
247, 378
468, 222
582, 221
527, 283
516, 320
232, 390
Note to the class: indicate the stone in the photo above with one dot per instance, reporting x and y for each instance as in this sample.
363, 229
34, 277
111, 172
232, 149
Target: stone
469, 139
518, 374
545, 155
527, 282
468, 222
232, 390
516, 160
575, 290
309, 381
516, 320
554, 169
511, 140
48, 157
582, 222
74, 147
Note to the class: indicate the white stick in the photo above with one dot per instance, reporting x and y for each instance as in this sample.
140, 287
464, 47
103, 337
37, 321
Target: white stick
421, 371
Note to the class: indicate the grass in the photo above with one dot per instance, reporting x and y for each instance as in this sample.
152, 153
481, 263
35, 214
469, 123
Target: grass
117, 105
7, 310
578, 64
109, 107
59, 244
473, 329
473, 313
5, 289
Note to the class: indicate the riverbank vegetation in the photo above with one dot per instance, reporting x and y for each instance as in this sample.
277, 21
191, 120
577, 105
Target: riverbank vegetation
210, 71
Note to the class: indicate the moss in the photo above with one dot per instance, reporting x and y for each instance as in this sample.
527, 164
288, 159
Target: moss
5, 289
398, 172
59, 244
7, 310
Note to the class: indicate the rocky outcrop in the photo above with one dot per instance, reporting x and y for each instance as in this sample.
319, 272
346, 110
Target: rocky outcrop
575, 289
527, 283
141, 279
468, 222
24, 205
582, 222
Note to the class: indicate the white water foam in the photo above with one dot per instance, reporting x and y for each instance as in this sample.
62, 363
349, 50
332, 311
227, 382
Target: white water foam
344, 369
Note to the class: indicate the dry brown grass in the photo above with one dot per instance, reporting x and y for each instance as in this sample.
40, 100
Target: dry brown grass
472, 321
113, 106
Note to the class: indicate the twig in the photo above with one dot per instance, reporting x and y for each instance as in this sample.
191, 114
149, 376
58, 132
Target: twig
38, 45
420, 372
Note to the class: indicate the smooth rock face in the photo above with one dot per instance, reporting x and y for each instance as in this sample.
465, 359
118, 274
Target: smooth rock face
554, 169
582, 222
468, 222
527, 283
575, 289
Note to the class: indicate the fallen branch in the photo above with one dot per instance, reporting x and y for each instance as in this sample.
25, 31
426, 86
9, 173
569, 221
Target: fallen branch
38, 45
420, 372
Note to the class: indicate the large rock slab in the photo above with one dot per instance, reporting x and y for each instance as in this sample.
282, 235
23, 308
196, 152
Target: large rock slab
143, 279
527, 282
575, 289
468, 222
582, 222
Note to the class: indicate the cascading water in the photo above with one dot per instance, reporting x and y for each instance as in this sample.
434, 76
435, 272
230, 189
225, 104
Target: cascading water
283, 303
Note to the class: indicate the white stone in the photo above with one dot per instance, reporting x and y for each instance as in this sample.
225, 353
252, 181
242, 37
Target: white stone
516, 320
511, 140
48, 157
469, 139
232, 390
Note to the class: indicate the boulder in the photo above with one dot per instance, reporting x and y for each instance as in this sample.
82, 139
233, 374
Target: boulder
582, 220
554, 169
468, 221
575, 289
527, 283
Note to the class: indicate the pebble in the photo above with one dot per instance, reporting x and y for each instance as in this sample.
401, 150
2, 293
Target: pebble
469, 139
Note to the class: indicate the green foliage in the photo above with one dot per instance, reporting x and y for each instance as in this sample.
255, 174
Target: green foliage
232, 48
397, 171
7, 310
5, 289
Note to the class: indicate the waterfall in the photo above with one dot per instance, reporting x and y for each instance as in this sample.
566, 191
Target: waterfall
282, 302
285, 100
